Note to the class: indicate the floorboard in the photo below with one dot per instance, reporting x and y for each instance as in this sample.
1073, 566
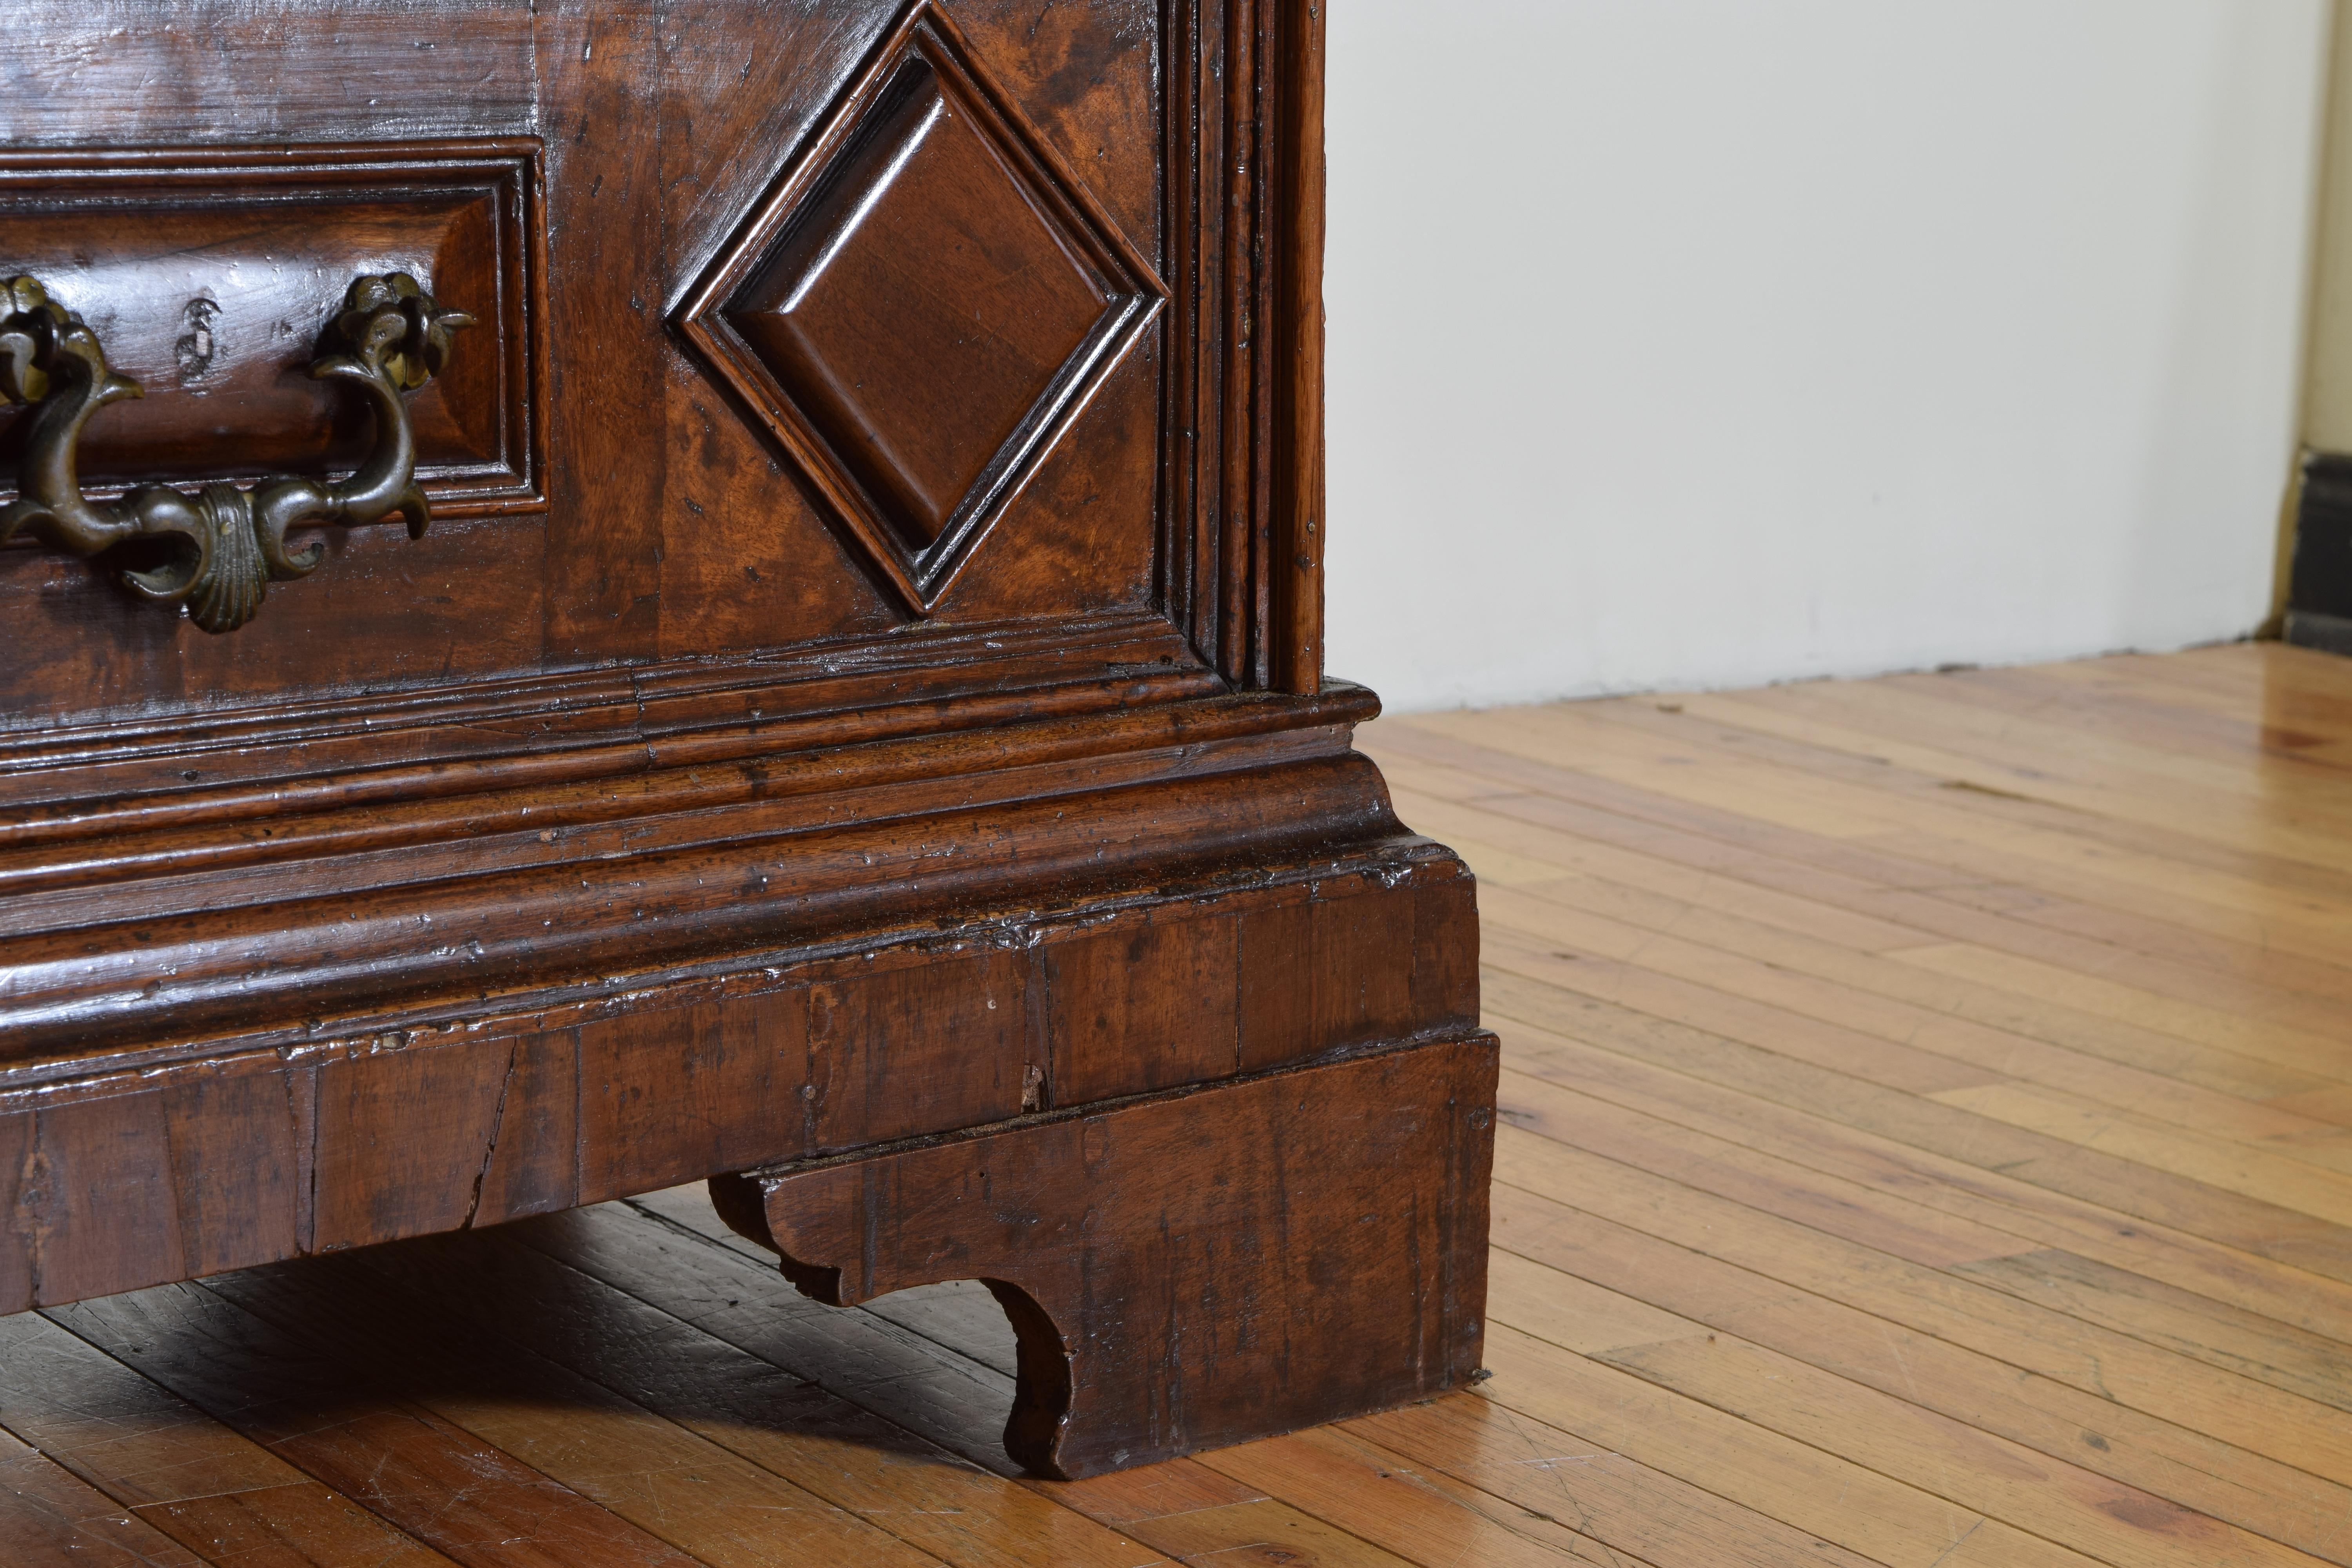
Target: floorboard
1927, 1143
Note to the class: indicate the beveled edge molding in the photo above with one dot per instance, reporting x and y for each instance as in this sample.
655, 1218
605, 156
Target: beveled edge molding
516, 165
186, 862
409, 743
390, 339
1382, 856
918, 579
130, 983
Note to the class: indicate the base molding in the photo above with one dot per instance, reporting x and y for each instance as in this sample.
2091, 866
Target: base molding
202, 936
1183, 1271
2319, 576
132, 1175
2311, 629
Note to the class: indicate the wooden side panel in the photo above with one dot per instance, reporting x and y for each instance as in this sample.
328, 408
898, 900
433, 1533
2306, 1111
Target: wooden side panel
668, 1097
237, 1170
913, 1050
1143, 1007
18, 1280
1276, 984
1360, 967
403, 1138
1190, 1271
1192, 995
534, 1165
1364, 964
100, 1197
1446, 951
205, 1170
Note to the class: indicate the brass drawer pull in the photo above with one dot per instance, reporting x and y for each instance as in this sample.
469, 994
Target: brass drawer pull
391, 337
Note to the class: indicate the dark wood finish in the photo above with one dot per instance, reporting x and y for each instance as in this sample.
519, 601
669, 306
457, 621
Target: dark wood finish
1295, 558
673, 508
1189, 1269
168, 1168
927, 237
863, 683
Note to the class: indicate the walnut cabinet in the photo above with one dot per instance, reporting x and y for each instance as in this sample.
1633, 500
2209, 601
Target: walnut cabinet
605, 595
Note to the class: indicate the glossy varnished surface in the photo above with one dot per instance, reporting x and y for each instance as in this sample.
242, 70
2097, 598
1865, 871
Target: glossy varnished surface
1925, 1107
923, 307
998, 340
864, 692
210, 275
673, 525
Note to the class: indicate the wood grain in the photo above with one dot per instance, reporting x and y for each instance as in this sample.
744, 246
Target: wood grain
1301, 1246
898, 745
1821, 1236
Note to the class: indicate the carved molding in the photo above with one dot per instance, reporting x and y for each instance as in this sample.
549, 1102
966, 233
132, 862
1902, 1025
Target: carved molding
1242, 487
921, 306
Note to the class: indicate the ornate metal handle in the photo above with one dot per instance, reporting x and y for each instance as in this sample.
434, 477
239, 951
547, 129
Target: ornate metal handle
391, 337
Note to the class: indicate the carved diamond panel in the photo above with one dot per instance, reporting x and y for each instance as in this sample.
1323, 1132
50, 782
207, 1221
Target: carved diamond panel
921, 307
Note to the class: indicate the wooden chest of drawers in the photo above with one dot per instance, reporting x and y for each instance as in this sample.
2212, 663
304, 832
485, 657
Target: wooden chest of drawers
842, 716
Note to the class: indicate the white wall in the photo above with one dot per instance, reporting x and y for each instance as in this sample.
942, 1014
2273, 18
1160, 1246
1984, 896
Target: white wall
2328, 382
1682, 343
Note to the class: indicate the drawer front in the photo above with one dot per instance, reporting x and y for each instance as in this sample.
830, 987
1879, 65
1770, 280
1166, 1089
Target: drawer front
792, 325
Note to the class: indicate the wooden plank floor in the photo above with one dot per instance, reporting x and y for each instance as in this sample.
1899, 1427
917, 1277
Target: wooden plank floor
1927, 1142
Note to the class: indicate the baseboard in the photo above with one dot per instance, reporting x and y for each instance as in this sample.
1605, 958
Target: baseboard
2319, 583
2327, 634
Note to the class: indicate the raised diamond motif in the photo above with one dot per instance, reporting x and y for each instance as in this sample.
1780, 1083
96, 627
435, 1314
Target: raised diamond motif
922, 305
